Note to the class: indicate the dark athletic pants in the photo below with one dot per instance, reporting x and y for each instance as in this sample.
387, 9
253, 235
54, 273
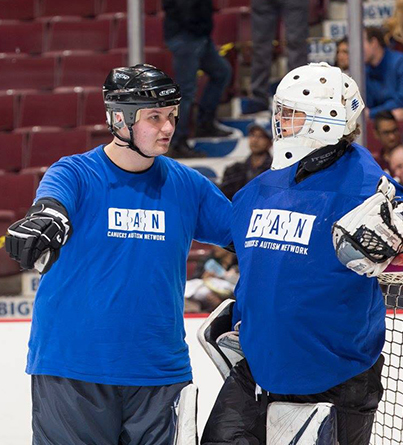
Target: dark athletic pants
238, 419
73, 412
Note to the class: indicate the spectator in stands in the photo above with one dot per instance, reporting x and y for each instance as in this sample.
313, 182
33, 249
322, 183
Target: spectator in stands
239, 174
265, 15
342, 59
394, 28
187, 29
384, 75
396, 163
213, 281
386, 130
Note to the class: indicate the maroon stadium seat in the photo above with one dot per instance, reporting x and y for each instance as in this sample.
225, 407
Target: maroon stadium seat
12, 149
8, 106
47, 147
28, 72
93, 108
226, 28
51, 109
7, 265
234, 4
317, 11
152, 6
113, 6
17, 192
84, 8
81, 35
87, 70
161, 58
153, 26
17, 9
21, 37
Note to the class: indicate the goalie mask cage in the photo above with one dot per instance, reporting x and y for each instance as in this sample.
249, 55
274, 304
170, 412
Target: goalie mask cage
388, 425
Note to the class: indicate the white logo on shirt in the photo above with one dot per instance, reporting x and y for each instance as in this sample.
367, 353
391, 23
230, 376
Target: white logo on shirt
281, 225
139, 220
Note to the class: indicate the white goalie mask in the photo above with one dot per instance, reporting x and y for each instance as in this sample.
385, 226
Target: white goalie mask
315, 105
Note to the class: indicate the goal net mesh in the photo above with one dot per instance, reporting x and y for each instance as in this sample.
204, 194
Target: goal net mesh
388, 426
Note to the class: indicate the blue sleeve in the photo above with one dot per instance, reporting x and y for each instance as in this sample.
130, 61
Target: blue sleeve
397, 100
61, 182
214, 219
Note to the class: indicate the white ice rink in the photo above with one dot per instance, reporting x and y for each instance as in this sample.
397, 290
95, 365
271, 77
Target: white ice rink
15, 401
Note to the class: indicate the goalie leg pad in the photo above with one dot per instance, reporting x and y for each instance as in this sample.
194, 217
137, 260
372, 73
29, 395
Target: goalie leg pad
185, 416
219, 341
301, 423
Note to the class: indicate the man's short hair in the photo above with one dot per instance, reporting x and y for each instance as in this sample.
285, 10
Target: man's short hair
374, 32
343, 40
383, 116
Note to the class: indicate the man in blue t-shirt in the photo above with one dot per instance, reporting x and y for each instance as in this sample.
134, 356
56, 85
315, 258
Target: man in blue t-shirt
312, 329
110, 230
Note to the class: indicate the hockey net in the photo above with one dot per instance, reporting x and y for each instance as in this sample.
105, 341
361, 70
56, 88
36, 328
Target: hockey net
388, 426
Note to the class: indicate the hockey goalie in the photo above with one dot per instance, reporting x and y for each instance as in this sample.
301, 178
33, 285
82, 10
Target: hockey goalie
311, 236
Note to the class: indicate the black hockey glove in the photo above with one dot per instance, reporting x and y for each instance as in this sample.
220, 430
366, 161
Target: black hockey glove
35, 240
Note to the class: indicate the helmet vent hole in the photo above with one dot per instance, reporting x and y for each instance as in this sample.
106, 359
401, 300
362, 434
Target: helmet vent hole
288, 155
323, 80
306, 92
333, 113
296, 77
326, 128
346, 85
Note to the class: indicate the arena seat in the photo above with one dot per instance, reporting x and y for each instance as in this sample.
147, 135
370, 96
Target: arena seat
47, 147
226, 28
17, 192
152, 7
28, 73
87, 70
84, 34
12, 151
153, 29
8, 106
113, 6
49, 109
22, 37
93, 108
7, 265
18, 9
161, 58
317, 11
83, 8
225, 4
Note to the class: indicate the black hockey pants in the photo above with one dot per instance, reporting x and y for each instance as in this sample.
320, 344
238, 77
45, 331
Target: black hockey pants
238, 418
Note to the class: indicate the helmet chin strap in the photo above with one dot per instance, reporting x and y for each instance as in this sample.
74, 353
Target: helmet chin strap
129, 142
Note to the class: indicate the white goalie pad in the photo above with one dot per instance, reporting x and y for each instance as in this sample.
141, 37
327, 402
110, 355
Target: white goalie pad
301, 423
219, 341
185, 407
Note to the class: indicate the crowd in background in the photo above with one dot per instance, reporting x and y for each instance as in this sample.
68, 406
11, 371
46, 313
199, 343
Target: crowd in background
188, 28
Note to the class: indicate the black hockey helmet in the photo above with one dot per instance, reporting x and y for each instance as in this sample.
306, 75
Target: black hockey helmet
130, 89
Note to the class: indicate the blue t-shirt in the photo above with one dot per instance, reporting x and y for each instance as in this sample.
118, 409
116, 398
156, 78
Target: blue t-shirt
110, 310
308, 322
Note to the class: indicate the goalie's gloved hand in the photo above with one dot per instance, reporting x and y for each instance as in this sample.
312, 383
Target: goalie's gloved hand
368, 238
35, 240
